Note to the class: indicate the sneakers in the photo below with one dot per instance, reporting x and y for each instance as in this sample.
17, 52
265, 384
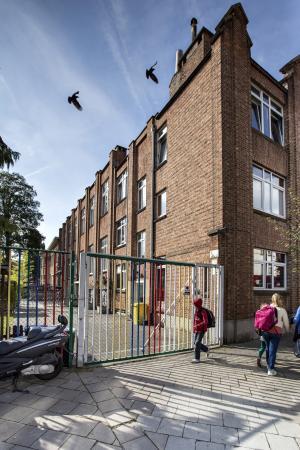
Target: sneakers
195, 361
272, 372
258, 362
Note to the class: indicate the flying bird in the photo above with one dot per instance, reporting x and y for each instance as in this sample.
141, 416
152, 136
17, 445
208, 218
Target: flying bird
149, 73
74, 100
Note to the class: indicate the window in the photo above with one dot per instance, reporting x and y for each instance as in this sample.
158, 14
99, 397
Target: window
269, 269
162, 147
268, 192
161, 204
266, 115
92, 262
121, 232
141, 194
104, 198
141, 242
103, 251
92, 211
82, 221
122, 186
121, 277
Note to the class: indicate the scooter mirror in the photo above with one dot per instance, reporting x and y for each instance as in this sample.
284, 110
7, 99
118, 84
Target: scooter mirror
63, 320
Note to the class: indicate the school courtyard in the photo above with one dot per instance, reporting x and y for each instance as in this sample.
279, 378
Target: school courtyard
163, 403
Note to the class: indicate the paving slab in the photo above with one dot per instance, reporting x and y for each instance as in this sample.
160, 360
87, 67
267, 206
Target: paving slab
178, 443
77, 443
51, 440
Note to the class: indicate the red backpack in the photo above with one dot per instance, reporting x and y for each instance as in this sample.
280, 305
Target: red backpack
265, 318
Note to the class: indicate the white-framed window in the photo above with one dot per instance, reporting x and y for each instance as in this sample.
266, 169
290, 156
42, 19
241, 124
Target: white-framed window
93, 261
121, 231
103, 250
162, 146
269, 269
141, 244
161, 204
267, 115
142, 194
104, 198
92, 212
121, 277
122, 186
268, 192
82, 221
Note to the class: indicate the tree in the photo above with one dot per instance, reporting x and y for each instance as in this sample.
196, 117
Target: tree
8, 157
19, 212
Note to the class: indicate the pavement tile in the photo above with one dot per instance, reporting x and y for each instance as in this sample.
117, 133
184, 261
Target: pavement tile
211, 418
127, 433
171, 427
17, 413
77, 443
178, 443
109, 405
102, 395
288, 428
253, 440
120, 392
8, 429
235, 421
224, 435
44, 403
160, 440
209, 446
142, 443
118, 417
149, 423
26, 436
72, 424
199, 431
102, 433
102, 446
63, 406
142, 407
281, 442
51, 440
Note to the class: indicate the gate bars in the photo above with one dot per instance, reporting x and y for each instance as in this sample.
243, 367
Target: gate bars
34, 289
130, 307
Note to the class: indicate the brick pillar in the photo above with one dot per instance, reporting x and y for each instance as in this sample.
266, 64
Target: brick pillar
237, 174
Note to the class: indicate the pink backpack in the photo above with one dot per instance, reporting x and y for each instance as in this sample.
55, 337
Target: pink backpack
265, 318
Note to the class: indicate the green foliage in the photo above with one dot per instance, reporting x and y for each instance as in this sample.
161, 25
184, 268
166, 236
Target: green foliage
8, 157
19, 212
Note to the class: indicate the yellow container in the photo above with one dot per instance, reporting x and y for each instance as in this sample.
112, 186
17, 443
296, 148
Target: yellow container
138, 313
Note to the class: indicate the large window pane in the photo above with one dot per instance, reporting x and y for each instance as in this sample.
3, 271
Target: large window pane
269, 276
278, 274
256, 115
267, 197
280, 257
276, 125
275, 201
257, 194
258, 254
257, 171
258, 275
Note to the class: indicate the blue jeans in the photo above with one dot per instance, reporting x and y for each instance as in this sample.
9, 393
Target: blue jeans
272, 341
199, 347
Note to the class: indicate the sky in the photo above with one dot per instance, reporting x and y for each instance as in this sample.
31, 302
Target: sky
52, 48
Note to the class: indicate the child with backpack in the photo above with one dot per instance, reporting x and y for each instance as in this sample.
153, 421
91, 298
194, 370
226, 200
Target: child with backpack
272, 320
199, 328
262, 345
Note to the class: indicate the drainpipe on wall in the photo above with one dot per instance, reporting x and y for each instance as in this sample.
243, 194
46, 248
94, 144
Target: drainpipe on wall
152, 236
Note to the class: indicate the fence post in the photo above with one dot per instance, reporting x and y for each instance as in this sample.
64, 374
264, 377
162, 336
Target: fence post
194, 287
71, 304
81, 309
221, 303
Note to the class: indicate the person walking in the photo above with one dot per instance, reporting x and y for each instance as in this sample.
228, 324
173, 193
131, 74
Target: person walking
199, 328
273, 335
262, 344
296, 321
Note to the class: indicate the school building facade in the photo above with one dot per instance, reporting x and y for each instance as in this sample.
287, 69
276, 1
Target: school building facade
205, 176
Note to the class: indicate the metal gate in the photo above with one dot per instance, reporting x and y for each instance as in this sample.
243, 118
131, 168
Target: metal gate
130, 307
36, 286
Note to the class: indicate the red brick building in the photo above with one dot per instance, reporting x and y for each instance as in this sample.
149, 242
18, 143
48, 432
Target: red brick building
206, 174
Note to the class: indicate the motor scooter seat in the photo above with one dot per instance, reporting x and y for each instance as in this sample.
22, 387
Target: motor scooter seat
40, 332
10, 345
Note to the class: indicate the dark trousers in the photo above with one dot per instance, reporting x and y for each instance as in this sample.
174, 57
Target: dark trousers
262, 348
199, 347
272, 341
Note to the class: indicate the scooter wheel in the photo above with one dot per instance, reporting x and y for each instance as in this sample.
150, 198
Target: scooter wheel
57, 370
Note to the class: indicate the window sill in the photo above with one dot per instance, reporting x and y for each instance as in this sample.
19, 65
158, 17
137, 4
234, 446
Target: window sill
161, 218
272, 216
263, 291
121, 201
141, 210
161, 164
120, 246
260, 133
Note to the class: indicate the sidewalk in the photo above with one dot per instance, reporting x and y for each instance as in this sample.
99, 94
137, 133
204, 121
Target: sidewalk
164, 403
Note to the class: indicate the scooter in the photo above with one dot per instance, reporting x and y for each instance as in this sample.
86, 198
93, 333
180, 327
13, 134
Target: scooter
37, 354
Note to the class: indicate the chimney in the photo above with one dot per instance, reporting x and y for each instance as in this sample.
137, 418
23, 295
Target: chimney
194, 28
179, 54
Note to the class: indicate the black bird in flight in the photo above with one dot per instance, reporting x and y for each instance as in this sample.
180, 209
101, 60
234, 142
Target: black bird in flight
74, 100
149, 73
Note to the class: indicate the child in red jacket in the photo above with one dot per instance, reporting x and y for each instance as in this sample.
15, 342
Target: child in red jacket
200, 328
